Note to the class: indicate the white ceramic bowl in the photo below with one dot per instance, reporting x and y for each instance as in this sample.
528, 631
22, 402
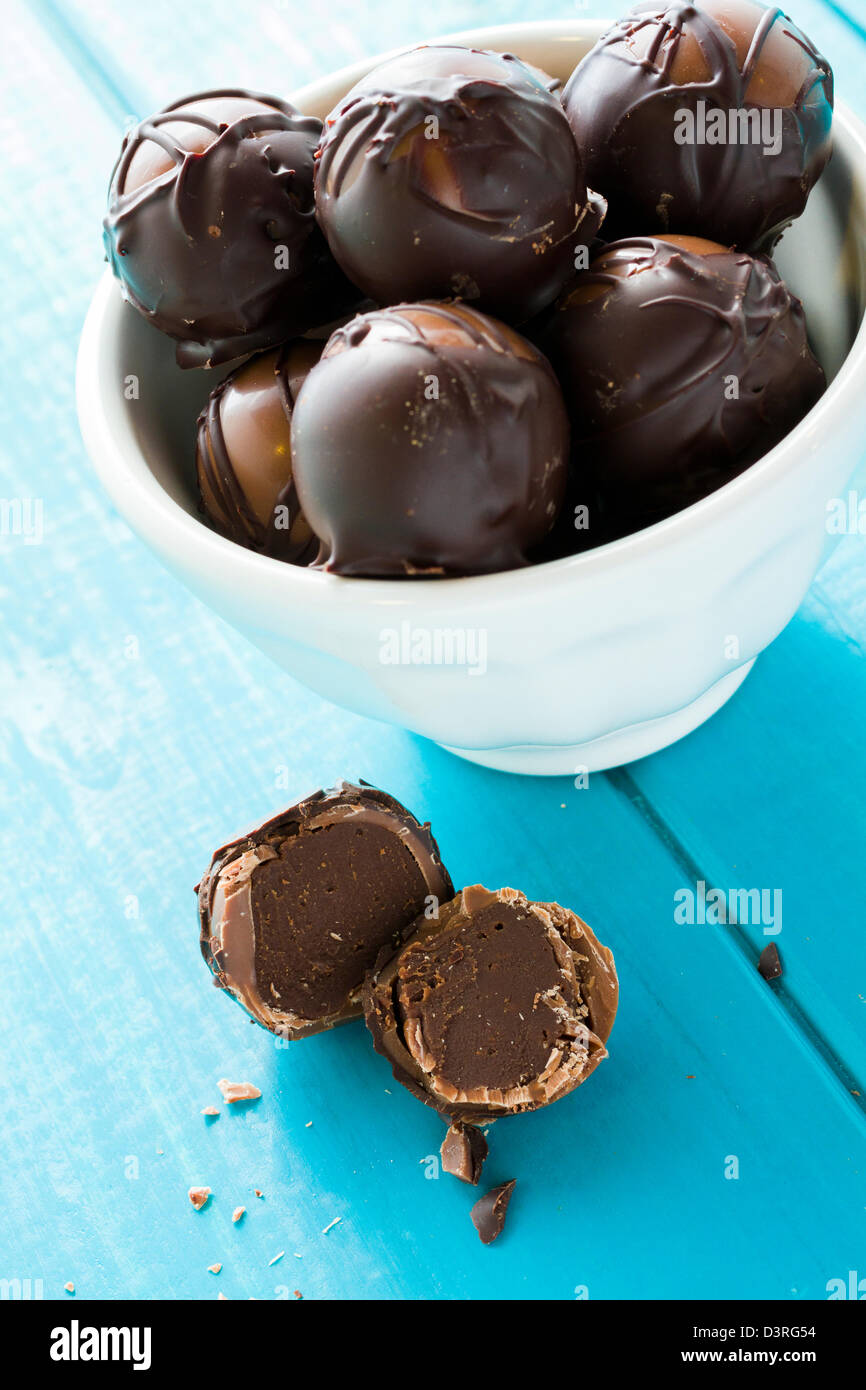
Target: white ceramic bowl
585, 662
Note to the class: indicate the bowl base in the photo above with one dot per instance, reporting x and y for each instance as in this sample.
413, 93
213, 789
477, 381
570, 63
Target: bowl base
622, 746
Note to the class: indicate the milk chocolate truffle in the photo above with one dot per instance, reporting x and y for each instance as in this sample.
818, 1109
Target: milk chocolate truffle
211, 228
498, 1006
244, 454
294, 912
452, 171
681, 362
711, 119
429, 440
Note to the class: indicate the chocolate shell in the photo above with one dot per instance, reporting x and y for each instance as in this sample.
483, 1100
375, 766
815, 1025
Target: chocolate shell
711, 119
295, 912
244, 454
211, 228
450, 171
498, 1006
429, 440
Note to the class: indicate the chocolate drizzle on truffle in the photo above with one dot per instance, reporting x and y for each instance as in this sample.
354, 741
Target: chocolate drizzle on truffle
500, 1005
681, 362
211, 228
243, 454
293, 913
451, 171
430, 439
664, 64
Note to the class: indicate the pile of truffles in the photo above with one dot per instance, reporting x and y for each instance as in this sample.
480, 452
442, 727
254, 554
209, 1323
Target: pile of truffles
625, 226
486, 1004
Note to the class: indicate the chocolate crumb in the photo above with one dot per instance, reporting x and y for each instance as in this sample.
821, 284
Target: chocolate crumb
463, 1152
770, 962
488, 1214
234, 1091
199, 1196
257, 1192
298, 1293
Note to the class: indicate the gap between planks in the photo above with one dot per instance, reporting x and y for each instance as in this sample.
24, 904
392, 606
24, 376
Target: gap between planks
623, 783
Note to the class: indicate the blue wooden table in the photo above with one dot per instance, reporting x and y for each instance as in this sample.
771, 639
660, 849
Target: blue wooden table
719, 1152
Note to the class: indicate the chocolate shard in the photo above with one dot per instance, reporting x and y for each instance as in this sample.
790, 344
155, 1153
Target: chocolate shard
646, 104
397, 481
452, 171
770, 962
489, 1213
294, 912
497, 1006
463, 1152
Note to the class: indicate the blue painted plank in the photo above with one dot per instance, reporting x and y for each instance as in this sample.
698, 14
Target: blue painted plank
129, 1040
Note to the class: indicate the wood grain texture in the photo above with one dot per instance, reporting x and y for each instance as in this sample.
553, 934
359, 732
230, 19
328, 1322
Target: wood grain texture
138, 731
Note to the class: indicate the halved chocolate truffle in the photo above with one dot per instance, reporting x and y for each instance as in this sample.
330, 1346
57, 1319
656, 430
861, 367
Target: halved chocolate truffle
211, 228
681, 362
244, 454
452, 171
429, 439
295, 912
711, 119
498, 1006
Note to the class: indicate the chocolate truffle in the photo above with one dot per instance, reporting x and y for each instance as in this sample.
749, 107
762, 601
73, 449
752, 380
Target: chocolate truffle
430, 439
497, 1006
770, 962
294, 912
451, 171
711, 119
211, 227
681, 362
244, 454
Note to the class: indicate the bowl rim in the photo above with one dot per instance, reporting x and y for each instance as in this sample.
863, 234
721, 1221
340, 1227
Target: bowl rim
110, 447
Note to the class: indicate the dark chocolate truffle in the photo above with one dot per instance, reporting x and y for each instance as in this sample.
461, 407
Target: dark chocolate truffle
244, 454
681, 363
452, 171
499, 1005
430, 439
294, 912
711, 119
211, 228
